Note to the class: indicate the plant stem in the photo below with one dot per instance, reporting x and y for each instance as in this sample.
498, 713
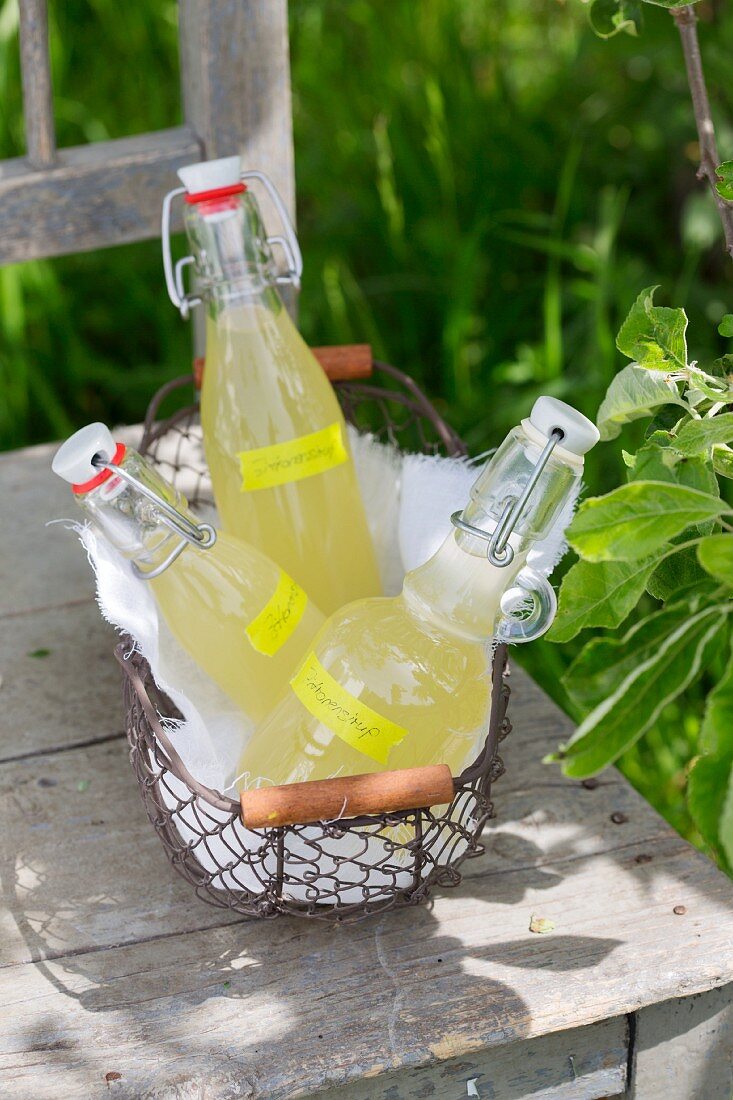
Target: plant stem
686, 21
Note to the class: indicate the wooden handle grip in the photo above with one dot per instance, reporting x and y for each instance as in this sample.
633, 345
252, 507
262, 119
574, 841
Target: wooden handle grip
347, 796
342, 363
345, 362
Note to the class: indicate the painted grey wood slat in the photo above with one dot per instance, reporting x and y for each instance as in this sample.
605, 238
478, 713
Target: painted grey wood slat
235, 82
236, 93
586, 1063
235, 75
684, 1048
106, 193
35, 63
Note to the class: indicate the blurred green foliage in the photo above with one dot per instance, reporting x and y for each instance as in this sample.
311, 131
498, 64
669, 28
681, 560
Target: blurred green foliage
482, 191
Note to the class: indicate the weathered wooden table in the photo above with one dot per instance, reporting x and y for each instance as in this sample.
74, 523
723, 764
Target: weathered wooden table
116, 980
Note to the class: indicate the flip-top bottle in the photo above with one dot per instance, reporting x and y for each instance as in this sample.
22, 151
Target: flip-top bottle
242, 619
274, 435
405, 681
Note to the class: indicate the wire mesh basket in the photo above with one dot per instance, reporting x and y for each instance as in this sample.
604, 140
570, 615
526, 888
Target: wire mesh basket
339, 870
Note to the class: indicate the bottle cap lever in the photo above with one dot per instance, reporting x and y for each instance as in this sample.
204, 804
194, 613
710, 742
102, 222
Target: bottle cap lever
202, 535
499, 551
288, 242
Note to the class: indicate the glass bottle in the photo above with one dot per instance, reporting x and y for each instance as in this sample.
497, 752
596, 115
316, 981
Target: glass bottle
274, 434
405, 681
244, 621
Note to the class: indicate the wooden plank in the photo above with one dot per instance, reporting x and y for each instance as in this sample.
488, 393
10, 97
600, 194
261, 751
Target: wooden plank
235, 79
684, 1048
85, 869
69, 692
40, 803
35, 63
106, 193
41, 565
585, 1064
288, 1007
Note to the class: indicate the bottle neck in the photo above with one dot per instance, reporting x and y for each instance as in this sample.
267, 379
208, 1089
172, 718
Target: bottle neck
130, 521
459, 590
459, 586
232, 255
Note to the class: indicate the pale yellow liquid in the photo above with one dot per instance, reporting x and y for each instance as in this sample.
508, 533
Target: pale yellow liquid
421, 660
262, 386
209, 597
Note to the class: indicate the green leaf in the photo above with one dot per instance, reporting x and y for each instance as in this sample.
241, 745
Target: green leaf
638, 519
659, 460
609, 17
725, 328
715, 554
696, 436
633, 393
676, 572
726, 823
709, 784
598, 594
724, 186
716, 732
654, 336
604, 663
723, 461
666, 419
708, 787
716, 387
723, 367
670, 3
637, 701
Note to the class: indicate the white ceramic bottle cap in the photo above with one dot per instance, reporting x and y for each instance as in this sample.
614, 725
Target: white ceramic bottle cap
73, 460
579, 433
210, 175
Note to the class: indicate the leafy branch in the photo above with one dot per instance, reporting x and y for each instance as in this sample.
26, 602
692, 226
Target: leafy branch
664, 534
611, 17
710, 166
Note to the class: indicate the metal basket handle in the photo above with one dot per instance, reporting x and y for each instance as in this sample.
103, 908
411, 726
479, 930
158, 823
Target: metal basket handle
174, 763
347, 797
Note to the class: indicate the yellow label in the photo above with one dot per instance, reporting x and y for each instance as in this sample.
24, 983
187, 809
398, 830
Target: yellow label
278, 618
354, 722
305, 456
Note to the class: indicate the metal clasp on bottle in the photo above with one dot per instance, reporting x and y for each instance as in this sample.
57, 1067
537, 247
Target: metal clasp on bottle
202, 535
499, 551
184, 300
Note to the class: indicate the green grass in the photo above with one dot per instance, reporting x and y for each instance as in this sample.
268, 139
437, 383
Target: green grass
482, 191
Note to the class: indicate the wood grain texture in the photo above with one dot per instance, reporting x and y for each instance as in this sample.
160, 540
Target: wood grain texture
235, 77
684, 1048
106, 193
40, 802
347, 796
35, 63
345, 362
585, 1064
57, 681
111, 965
41, 563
